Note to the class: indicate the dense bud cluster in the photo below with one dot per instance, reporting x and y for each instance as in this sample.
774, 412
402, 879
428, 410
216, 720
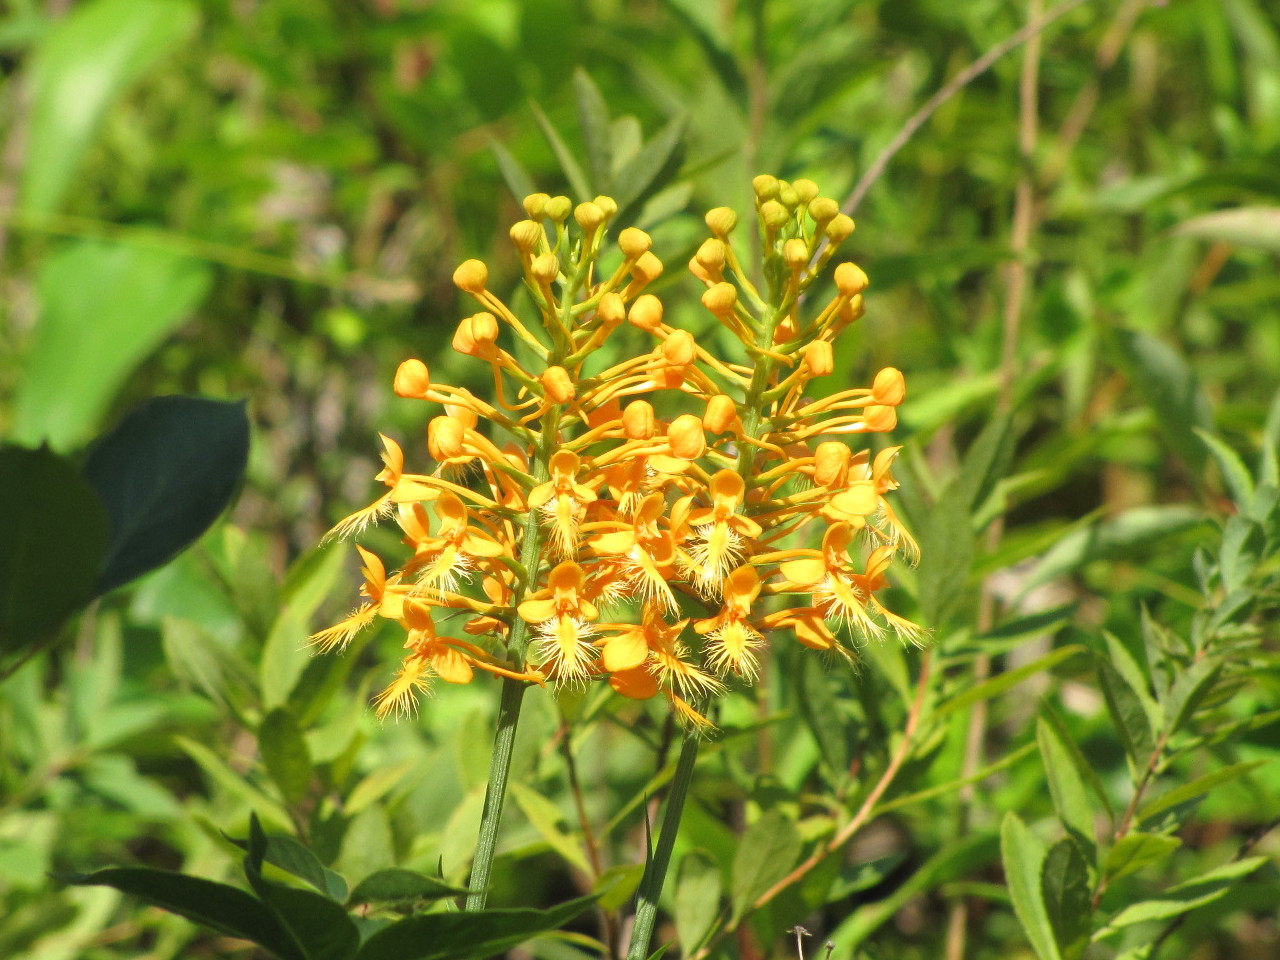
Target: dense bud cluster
581, 534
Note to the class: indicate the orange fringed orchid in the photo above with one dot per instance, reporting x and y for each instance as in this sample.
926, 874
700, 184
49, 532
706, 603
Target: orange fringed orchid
589, 538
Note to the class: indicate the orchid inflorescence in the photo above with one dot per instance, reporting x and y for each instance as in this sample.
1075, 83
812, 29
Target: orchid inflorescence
634, 523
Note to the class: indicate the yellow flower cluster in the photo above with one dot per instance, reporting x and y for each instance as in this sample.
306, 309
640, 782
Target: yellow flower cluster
632, 522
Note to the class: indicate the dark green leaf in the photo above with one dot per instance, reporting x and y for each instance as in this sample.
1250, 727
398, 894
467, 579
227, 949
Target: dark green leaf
820, 710
593, 115
1195, 789
165, 474
1136, 851
1066, 785
396, 883
1010, 678
946, 542
1127, 714
985, 462
1189, 691
284, 751
1234, 472
765, 855
1065, 884
1024, 857
697, 899
1184, 897
465, 936
513, 172
53, 538
223, 908
1170, 389
617, 885
695, 18
564, 156
655, 163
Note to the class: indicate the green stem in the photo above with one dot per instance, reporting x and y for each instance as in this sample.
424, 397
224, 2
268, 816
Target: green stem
655, 871
499, 771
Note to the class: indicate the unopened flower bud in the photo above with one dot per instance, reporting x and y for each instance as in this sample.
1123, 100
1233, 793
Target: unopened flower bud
444, 438
611, 311
721, 221
560, 389
638, 421
889, 387
823, 210
711, 254
879, 419
850, 279
608, 206
721, 415
765, 186
819, 358
787, 195
785, 330
545, 267
527, 235
647, 268
634, 243
558, 208
589, 216
795, 253
686, 437
774, 214
805, 190
830, 463
839, 228
646, 313
535, 205
721, 298
412, 380
471, 276
476, 334
680, 349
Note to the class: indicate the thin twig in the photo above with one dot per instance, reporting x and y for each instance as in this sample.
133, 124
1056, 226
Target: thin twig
946, 92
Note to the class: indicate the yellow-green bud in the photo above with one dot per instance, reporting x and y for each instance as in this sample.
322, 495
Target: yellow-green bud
774, 214
526, 235
787, 196
647, 268
721, 221
765, 187
471, 276
558, 208
850, 279
795, 253
545, 267
819, 358
611, 311
823, 210
412, 380
589, 216
607, 205
535, 205
634, 243
805, 190
646, 313
711, 255
839, 228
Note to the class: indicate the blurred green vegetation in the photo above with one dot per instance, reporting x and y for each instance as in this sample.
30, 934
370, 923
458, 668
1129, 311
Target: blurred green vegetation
266, 199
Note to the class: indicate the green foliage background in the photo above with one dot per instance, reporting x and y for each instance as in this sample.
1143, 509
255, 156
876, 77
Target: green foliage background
267, 199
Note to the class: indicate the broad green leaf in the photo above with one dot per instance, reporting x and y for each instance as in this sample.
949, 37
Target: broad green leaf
1234, 472
1136, 675
464, 936
1066, 785
285, 657
699, 19
617, 885
81, 67
593, 115
1024, 858
1196, 788
377, 785
53, 540
165, 473
821, 713
103, 308
228, 910
766, 854
298, 860
1010, 759
986, 461
513, 172
396, 883
1031, 625
544, 816
1010, 678
648, 171
1083, 766
284, 752
564, 156
1127, 713
218, 771
1257, 227
946, 541
1064, 882
367, 843
697, 899
1135, 851
1184, 897
1189, 690
1171, 390
318, 925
